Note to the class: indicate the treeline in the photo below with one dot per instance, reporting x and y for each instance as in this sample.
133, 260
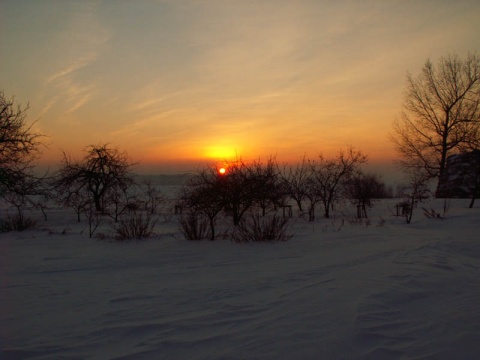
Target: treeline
256, 197
250, 201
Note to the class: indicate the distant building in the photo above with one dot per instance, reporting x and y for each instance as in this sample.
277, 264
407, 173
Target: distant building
462, 176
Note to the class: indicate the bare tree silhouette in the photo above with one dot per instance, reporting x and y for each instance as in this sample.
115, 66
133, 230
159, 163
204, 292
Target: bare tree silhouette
19, 143
362, 189
236, 191
294, 181
102, 171
19, 147
441, 113
329, 174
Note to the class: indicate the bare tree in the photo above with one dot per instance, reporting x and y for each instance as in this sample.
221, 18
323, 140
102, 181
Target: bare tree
312, 194
93, 217
19, 143
122, 199
153, 197
416, 191
441, 113
22, 194
19, 147
241, 187
203, 198
103, 170
362, 189
268, 190
247, 184
330, 173
71, 194
294, 180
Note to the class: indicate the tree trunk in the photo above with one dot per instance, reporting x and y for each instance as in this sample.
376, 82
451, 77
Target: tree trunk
236, 216
212, 228
98, 203
299, 204
311, 212
472, 202
326, 206
409, 212
443, 159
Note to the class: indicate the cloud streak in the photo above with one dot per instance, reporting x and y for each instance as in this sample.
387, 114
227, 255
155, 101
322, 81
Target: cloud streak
81, 43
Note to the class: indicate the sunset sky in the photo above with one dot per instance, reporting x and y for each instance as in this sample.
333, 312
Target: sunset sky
178, 82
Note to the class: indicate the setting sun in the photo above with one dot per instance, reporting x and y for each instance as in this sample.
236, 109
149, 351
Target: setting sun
222, 171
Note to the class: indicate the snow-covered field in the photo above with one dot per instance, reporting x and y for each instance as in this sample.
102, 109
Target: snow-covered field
338, 289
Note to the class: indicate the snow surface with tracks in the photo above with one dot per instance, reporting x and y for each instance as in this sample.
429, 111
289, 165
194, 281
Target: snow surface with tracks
338, 289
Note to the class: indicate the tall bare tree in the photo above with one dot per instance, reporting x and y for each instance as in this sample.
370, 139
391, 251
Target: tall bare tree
441, 113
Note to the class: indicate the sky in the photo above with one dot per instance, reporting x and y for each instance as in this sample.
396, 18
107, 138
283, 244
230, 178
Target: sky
176, 83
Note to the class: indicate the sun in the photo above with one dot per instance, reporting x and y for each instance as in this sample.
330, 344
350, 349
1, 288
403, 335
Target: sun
222, 171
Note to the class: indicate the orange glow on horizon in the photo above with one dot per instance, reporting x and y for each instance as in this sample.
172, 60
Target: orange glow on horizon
220, 152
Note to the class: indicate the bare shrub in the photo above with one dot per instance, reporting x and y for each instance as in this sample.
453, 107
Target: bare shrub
256, 228
195, 225
17, 222
417, 192
431, 214
134, 225
447, 203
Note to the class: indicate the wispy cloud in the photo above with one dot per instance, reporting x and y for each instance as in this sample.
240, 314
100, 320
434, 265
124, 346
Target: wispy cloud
73, 65
82, 43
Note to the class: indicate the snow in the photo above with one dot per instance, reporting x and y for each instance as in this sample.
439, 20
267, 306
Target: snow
338, 289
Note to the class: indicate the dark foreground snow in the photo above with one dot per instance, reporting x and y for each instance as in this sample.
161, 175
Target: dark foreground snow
336, 290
